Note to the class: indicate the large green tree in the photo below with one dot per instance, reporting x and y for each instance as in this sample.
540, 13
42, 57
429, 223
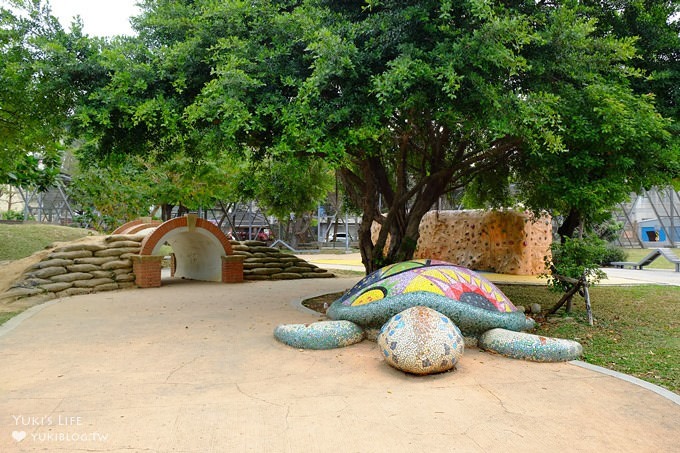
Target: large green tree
619, 126
37, 90
655, 27
156, 101
409, 99
114, 191
416, 98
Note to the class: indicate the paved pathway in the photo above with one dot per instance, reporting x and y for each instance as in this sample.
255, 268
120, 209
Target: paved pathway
352, 261
193, 367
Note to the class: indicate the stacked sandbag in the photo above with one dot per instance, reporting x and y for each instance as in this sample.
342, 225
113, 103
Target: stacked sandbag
81, 269
267, 263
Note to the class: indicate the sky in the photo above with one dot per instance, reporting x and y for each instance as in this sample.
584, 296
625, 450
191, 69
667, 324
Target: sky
100, 17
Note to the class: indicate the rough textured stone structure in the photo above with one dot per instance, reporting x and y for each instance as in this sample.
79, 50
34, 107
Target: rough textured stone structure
506, 242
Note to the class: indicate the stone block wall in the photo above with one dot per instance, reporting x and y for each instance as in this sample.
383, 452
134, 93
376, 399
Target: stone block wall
507, 242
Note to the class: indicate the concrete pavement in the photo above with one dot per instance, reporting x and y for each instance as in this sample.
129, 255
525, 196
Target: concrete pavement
194, 367
352, 261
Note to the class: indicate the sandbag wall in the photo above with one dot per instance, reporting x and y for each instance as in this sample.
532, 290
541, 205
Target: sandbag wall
81, 268
267, 263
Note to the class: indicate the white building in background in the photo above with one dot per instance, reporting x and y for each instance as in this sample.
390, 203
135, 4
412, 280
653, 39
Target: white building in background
651, 219
10, 199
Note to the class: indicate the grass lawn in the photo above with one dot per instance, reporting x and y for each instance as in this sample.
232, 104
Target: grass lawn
636, 255
4, 317
21, 240
636, 331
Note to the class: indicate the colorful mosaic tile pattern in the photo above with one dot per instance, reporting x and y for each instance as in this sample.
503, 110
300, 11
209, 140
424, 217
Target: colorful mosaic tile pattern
437, 277
420, 340
319, 335
526, 346
455, 294
470, 319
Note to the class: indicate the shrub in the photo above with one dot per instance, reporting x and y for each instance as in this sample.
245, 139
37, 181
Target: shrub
612, 253
608, 230
576, 258
12, 215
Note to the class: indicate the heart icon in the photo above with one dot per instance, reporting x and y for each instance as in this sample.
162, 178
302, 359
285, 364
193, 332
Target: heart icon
19, 435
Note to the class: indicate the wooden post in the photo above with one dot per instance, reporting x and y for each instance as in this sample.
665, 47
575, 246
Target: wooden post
589, 309
569, 294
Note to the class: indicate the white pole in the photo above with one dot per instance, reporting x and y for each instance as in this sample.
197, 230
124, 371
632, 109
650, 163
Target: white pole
318, 225
346, 231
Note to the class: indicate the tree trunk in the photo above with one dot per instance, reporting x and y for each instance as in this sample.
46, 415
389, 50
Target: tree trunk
301, 227
411, 178
361, 187
425, 199
166, 211
569, 225
401, 224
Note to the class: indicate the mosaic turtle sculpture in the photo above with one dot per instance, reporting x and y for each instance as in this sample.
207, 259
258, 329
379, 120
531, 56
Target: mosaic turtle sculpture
474, 304
420, 340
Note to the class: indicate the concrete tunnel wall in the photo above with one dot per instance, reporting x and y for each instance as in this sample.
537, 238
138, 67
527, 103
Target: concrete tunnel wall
197, 254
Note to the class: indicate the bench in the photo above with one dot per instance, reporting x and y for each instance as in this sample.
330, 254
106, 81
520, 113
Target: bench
647, 260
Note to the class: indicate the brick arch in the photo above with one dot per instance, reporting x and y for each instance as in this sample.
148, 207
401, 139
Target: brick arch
136, 226
144, 227
189, 222
201, 251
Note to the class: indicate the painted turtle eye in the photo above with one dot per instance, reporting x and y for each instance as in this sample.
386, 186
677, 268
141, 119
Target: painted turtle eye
369, 296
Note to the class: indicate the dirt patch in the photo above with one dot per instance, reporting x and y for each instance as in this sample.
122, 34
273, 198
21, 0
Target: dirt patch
11, 271
321, 303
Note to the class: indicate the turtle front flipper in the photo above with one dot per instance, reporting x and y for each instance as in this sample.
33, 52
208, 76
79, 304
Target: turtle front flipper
319, 335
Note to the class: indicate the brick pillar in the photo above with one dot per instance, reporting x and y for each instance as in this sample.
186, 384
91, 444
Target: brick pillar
147, 270
232, 269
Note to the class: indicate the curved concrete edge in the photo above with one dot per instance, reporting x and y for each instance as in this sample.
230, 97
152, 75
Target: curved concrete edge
16, 321
632, 379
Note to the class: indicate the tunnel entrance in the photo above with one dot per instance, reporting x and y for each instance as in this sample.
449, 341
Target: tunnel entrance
201, 251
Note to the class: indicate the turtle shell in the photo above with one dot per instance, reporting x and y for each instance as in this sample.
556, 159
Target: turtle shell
438, 277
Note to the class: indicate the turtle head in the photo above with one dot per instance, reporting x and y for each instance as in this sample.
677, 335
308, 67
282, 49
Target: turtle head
529, 324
